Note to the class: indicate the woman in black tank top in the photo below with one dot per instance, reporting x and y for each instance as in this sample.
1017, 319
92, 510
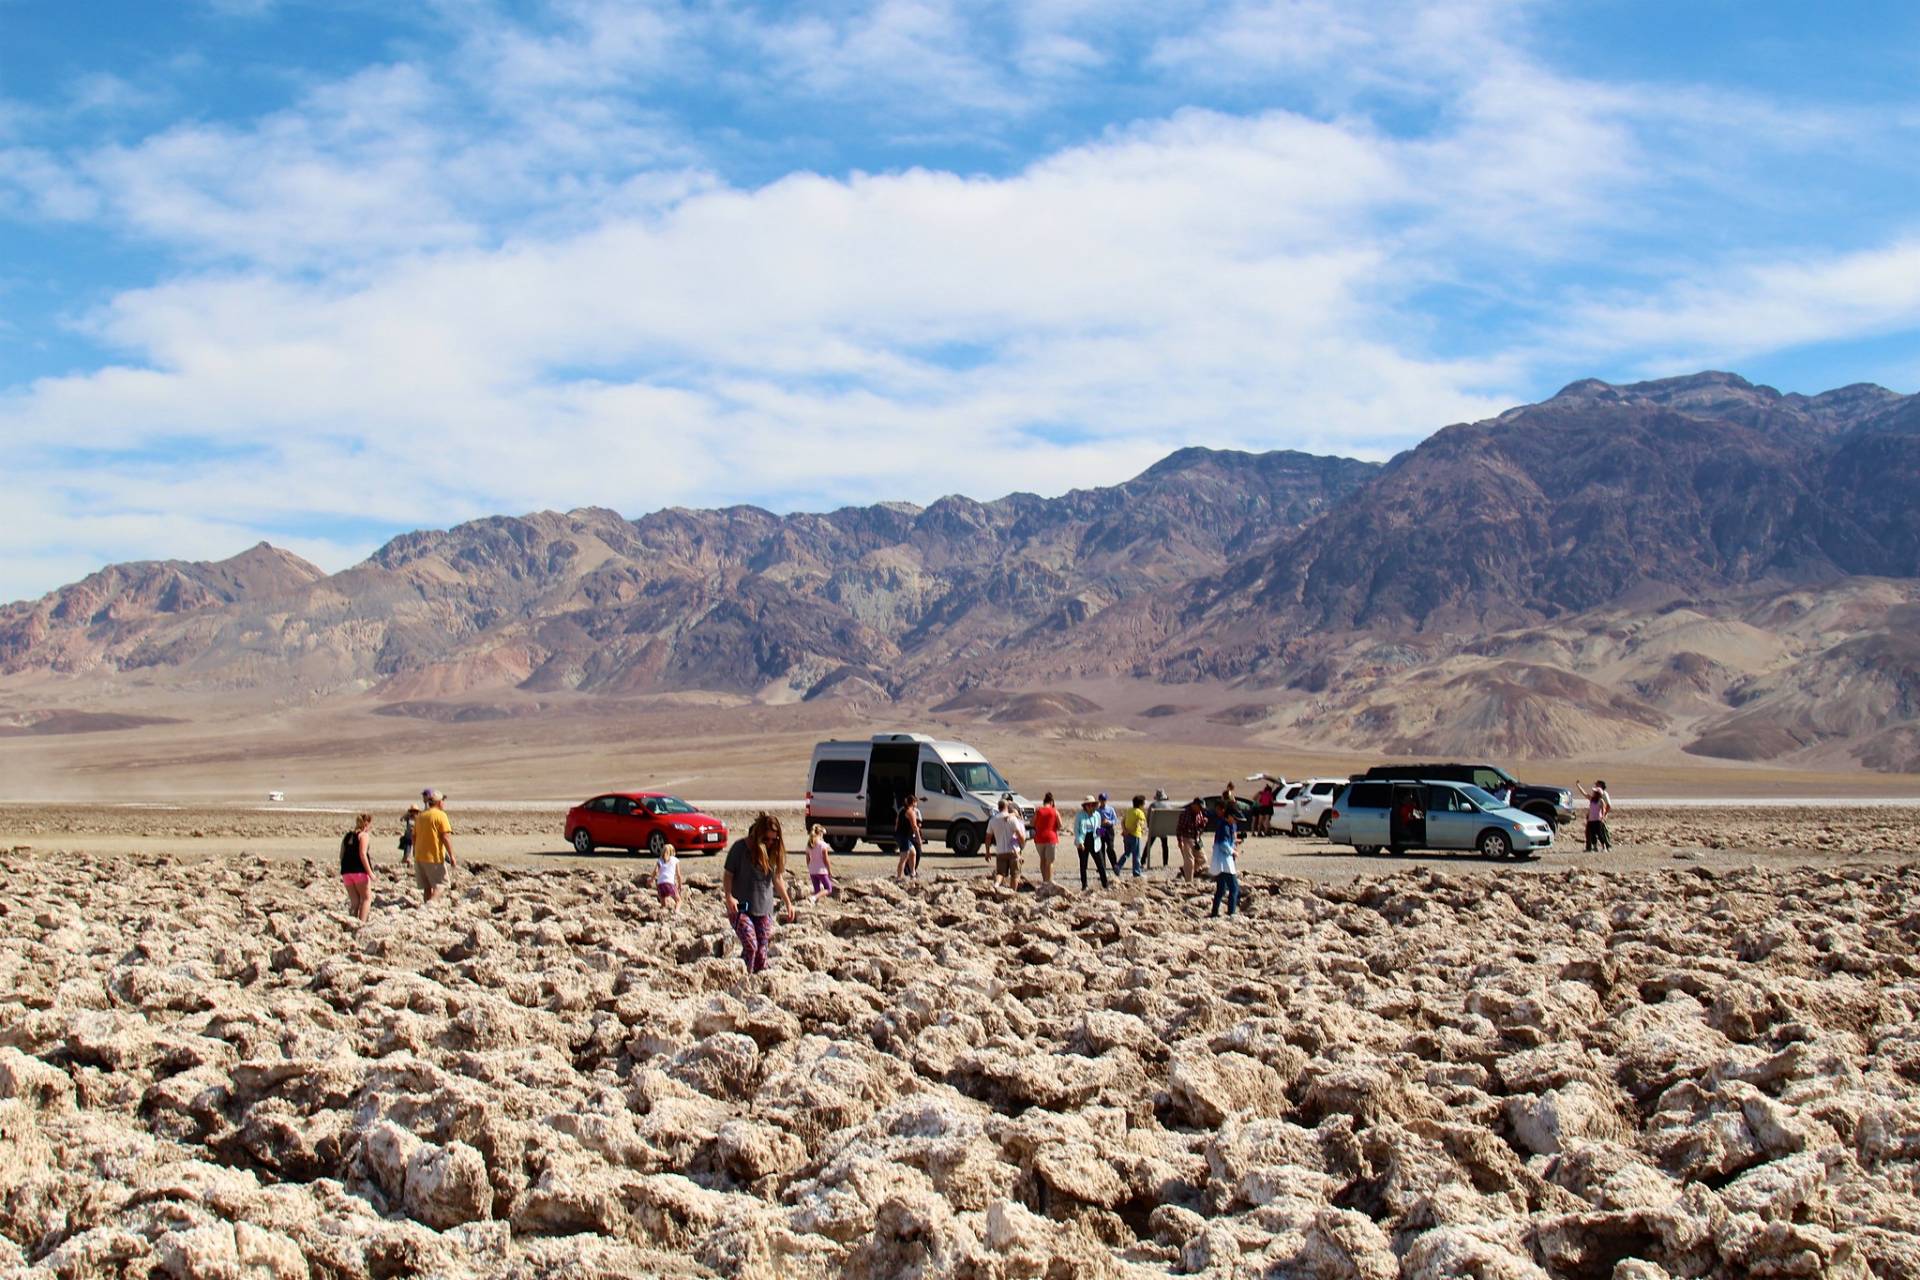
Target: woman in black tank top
356, 867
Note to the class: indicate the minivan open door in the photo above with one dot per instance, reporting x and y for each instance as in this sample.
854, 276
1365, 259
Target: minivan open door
1407, 821
890, 779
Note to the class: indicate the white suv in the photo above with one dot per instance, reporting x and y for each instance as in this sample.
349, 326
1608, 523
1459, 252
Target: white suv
1308, 809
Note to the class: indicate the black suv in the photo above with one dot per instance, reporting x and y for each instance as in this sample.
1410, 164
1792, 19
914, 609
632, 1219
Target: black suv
1555, 804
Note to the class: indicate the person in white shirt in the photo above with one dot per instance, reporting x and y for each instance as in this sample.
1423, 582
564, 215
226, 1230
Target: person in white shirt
1006, 835
1599, 805
666, 878
819, 862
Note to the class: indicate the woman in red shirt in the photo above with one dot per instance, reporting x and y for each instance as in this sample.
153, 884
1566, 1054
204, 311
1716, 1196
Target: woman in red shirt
1046, 836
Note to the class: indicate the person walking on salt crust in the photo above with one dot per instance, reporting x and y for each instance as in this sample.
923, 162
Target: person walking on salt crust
1225, 867
356, 867
432, 846
755, 874
819, 862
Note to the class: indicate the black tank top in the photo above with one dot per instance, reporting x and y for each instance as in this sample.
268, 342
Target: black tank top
350, 854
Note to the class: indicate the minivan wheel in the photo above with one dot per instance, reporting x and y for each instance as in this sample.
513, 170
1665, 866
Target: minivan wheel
964, 839
582, 842
1325, 828
656, 844
842, 844
1494, 844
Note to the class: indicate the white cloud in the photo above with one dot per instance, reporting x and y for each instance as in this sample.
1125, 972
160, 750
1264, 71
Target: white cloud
1174, 282
500, 281
1760, 307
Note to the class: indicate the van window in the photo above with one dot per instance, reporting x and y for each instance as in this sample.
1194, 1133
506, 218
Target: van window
933, 780
1369, 795
835, 776
978, 776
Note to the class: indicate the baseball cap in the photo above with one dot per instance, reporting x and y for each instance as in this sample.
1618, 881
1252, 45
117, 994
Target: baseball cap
432, 793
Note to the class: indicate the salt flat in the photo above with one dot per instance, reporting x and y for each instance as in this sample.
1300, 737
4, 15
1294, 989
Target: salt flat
1439, 1071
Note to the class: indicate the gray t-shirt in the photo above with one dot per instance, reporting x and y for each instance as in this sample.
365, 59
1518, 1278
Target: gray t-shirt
750, 885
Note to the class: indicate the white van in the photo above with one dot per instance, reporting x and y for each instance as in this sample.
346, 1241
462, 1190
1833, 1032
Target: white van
855, 790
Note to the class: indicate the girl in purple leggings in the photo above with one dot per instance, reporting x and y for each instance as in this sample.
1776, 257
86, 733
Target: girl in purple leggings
755, 874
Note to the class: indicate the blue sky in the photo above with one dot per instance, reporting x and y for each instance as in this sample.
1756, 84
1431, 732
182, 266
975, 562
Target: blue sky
319, 273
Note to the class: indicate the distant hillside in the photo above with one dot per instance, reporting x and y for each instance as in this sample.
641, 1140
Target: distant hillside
739, 600
1698, 562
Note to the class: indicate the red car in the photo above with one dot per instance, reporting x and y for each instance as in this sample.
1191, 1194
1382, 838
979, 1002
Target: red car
636, 820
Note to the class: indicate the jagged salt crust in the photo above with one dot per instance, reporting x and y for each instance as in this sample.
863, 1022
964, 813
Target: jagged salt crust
207, 1071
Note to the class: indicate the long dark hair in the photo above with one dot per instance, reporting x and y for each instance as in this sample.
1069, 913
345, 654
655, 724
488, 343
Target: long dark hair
768, 843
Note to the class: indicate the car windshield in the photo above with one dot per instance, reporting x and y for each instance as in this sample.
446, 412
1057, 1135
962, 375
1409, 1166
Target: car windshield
978, 776
1479, 797
668, 804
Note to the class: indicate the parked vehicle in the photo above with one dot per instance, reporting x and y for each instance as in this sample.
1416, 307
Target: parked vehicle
636, 820
1307, 811
1372, 815
1552, 804
855, 790
1242, 810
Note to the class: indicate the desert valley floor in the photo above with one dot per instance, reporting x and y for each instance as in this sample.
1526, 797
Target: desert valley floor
1696, 1058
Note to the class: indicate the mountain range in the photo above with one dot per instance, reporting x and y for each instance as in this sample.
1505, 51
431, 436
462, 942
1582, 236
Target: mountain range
1695, 562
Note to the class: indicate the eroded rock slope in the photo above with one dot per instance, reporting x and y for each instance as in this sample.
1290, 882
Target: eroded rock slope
206, 1071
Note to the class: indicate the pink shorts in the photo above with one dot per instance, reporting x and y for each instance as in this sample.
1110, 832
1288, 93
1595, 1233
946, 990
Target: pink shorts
355, 878
667, 891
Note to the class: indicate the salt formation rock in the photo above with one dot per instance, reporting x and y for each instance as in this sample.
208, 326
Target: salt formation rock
208, 1070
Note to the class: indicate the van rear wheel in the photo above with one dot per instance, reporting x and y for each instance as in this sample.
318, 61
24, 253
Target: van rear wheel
842, 844
964, 839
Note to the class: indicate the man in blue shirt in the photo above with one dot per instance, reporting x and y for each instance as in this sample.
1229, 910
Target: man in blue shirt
1109, 821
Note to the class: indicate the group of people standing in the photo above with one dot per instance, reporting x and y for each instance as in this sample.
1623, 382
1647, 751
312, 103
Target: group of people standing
1120, 841
426, 843
753, 881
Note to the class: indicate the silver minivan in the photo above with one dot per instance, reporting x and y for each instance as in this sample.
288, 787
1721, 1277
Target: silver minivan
1398, 816
855, 790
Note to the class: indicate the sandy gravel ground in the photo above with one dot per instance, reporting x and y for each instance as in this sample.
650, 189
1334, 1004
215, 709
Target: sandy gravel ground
207, 1070
529, 834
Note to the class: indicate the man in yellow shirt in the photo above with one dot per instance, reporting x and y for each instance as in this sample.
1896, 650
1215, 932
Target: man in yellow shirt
432, 846
1133, 834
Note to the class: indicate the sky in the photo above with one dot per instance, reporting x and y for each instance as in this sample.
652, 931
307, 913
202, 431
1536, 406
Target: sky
319, 273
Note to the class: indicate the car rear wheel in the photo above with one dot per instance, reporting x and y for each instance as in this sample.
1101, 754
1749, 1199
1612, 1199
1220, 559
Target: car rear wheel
842, 844
582, 841
656, 844
1367, 850
964, 839
1494, 844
